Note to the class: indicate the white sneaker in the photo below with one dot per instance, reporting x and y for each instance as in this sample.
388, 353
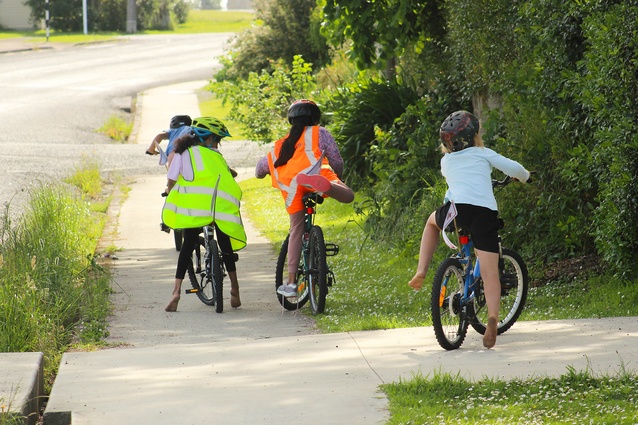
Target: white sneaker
287, 290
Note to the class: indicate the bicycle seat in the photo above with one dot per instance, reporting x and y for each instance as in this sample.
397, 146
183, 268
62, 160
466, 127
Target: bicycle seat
311, 199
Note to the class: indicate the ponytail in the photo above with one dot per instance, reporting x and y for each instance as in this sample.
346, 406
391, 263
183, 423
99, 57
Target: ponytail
299, 124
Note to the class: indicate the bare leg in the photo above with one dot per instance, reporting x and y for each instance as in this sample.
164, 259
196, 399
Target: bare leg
234, 290
172, 305
294, 244
492, 285
340, 192
334, 189
429, 243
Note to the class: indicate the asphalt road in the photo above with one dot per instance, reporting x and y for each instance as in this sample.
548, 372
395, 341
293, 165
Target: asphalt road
52, 101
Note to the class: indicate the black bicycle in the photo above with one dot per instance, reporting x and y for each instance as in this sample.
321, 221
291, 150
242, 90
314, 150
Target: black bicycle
314, 277
207, 276
458, 297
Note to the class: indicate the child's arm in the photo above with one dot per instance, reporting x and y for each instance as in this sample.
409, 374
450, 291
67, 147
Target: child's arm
152, 149
508, 166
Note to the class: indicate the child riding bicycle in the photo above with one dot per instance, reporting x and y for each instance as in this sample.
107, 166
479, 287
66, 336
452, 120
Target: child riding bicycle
467, 166
306, 160
178, 127
198, 177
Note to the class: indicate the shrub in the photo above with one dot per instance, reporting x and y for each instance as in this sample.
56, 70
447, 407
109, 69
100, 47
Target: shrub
286, 29
260, 103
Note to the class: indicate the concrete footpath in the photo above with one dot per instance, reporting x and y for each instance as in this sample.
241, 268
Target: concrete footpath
258, 364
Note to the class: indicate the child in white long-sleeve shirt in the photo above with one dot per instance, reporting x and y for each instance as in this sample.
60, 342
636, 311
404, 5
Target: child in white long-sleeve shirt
467, 167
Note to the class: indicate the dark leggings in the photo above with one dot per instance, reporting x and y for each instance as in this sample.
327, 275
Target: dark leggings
191, 237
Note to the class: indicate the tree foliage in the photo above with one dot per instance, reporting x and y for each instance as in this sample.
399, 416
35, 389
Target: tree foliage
286, 28
260, 102
377, 31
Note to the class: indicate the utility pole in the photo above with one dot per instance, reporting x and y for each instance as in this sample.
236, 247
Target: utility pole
131, 17
85, 17
46, 17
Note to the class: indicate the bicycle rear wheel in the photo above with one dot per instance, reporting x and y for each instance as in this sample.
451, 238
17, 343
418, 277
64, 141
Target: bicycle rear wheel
197, 276
448, 318
317, 270
514, 285
281, 276
217, 276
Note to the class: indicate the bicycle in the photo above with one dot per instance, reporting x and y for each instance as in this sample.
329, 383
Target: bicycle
458, 299
314, 276
208, 281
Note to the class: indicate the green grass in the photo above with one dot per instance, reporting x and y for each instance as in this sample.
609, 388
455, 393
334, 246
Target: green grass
573, 398
53, 291
206, 21
117, 128
199, 21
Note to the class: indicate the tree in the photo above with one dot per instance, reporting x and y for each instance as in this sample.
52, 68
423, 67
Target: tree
288, 28
378, 31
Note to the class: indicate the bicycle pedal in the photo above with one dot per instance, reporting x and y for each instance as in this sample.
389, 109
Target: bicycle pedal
330, 278
192, 291
332, 249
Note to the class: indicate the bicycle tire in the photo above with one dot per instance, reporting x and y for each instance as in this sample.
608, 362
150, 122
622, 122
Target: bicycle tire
514, 287
448, 320
179, 238
317, 282
197, 276
281, 274
217, 276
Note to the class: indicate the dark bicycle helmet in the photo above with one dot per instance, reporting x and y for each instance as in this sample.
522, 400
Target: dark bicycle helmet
304, 107
458, 130
205, 126
180, 120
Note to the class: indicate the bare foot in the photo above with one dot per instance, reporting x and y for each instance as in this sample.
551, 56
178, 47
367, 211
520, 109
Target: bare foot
489, 339
234, 298
416, 282
172, 306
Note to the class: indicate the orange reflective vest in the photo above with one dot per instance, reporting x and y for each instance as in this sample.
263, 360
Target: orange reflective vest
307, 159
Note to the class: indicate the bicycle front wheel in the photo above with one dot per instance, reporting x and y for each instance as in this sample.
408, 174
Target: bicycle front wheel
514, 285
281, 276
317, 270
448, 318
197, 275
217, 276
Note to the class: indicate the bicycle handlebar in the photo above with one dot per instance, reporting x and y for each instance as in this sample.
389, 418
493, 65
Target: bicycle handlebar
507, 180
502, 183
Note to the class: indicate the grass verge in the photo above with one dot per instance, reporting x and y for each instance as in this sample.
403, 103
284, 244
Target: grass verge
572, 398
199, 21
53, 290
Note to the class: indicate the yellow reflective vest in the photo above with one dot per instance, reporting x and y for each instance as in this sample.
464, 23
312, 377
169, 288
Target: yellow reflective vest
213, 196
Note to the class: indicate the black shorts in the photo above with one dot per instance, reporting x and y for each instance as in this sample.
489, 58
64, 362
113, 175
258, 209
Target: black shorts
482, 223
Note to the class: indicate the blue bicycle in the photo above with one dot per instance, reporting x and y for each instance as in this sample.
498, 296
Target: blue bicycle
458, 298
